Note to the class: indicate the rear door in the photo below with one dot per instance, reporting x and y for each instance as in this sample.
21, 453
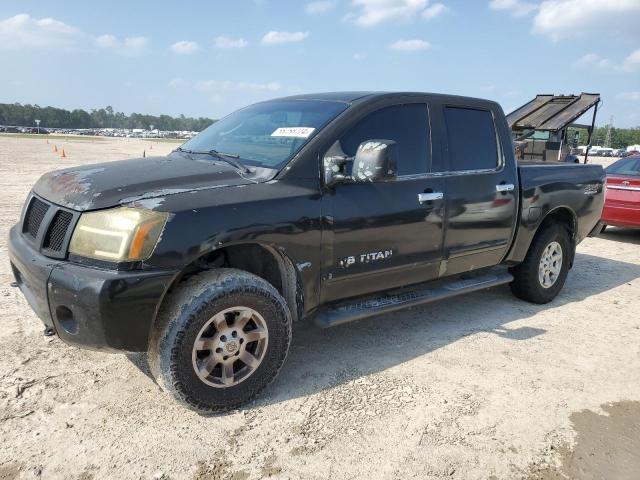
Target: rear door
379, 236
481, 185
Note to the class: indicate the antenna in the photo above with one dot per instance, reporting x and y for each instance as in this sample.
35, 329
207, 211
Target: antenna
607, 138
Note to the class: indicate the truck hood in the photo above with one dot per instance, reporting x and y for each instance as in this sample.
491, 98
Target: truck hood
109, 184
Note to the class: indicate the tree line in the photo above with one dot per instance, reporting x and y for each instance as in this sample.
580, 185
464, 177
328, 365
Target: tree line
620, 137
25, 115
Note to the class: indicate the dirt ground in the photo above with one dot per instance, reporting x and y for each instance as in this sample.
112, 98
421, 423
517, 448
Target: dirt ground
485, 387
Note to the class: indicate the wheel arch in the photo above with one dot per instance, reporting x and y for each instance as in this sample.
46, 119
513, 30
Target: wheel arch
264, 261
562, 215
527, 232
565, 217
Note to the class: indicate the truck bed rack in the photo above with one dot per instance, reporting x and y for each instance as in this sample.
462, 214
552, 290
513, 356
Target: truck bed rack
551, 112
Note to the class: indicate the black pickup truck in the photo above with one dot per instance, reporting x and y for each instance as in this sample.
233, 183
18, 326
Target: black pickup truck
336, 206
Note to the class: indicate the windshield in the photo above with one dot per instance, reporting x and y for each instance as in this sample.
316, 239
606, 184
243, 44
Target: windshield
267, 134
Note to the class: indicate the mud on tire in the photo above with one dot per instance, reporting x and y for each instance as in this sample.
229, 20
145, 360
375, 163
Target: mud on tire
184, 316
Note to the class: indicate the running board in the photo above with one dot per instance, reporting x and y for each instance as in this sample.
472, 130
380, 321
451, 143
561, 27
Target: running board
421, 295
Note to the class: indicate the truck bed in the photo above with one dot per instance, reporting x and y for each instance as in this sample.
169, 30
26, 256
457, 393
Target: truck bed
566, 187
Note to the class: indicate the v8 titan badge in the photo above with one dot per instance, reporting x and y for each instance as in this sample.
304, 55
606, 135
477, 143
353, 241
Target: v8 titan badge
364, 258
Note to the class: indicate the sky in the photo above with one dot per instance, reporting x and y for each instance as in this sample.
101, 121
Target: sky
209, 58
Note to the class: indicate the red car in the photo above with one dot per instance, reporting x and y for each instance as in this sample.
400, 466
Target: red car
622, 199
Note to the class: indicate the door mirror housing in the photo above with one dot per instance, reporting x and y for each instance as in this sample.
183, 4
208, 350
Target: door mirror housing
376, 161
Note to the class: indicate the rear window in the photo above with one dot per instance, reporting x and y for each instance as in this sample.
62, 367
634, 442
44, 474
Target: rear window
628, 166
471, 136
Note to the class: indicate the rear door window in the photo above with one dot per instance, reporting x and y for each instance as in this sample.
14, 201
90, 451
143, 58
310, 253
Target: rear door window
471, 137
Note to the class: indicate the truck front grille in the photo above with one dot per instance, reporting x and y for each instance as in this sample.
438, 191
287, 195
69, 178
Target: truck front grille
46, 225
33, 219
54, 239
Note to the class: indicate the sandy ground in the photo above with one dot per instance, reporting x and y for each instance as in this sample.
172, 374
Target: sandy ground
484, 387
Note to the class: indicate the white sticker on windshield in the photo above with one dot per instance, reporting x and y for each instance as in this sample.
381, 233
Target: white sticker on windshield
301, 132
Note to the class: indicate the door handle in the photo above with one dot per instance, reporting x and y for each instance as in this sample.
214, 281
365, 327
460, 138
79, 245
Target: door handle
505, 187
429, 197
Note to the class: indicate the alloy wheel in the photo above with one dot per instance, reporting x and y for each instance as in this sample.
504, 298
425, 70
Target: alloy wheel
550, 265
230, 347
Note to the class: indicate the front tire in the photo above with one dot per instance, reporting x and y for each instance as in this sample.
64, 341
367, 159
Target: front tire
541, 276
220, 338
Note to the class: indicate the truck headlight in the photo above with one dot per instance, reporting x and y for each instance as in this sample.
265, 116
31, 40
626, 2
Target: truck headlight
120, 234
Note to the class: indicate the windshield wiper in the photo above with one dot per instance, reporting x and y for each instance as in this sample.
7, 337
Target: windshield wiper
230, 158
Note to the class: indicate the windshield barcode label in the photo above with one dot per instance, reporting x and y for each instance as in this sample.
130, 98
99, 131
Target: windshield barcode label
301, 132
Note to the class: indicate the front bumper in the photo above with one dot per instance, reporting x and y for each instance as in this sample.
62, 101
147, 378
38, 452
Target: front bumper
89, 307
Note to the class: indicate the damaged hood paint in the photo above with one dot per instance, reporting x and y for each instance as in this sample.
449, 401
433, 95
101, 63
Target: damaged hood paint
109, 184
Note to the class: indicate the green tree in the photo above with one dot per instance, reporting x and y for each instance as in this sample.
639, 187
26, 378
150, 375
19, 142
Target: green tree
620, 137
16, 114
25, 115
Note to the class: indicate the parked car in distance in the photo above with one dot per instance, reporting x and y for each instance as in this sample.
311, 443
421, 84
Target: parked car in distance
618, 153
333, 206
595, 151
606, 152
622, 196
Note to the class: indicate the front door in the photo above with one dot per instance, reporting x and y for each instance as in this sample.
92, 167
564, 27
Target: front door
384, 235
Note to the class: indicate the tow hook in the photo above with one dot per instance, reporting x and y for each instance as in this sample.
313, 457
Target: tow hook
14, 284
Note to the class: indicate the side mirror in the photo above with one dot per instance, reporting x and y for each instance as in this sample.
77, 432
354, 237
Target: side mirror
376, 161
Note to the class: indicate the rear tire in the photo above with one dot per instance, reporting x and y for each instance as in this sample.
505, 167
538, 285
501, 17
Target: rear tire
541, 276
220, 338
604, 227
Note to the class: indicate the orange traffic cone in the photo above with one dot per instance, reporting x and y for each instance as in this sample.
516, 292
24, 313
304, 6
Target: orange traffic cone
55, 148
63, 154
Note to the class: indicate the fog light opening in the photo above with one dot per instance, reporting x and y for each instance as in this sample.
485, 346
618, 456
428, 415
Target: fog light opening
66, 320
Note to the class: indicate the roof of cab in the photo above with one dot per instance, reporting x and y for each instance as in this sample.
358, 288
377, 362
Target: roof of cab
347, 97
353, 97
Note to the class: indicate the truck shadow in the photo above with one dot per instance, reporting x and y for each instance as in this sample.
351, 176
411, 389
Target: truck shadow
624, 235
322, 359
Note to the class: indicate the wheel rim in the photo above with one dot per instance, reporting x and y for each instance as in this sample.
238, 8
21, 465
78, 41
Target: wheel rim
230, 347
550, 265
